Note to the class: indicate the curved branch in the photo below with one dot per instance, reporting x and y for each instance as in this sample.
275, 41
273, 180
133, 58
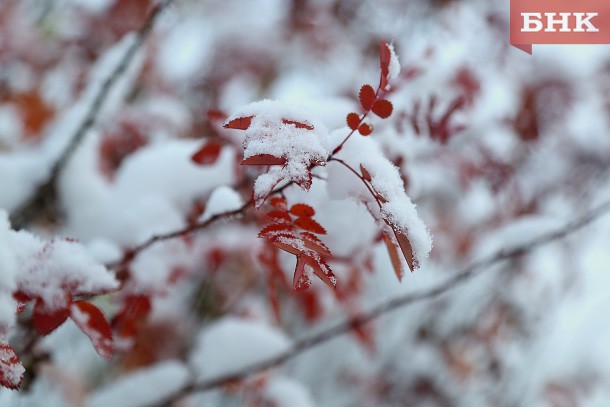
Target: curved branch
45, 197
461, 277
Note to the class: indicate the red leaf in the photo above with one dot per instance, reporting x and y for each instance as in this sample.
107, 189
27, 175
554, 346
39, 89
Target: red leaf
216, 115
367, 96
208, 154
264, 159
279, 203
241, 123
280, 217
384, 61
394, 257
365, 174
365, 129
270, 231
287, 247
312, 242
407, 251
298, 125
11, 369
92, 322
22, 300
353, 120
322, 270
135, 309
307, 223
301, 210
45, 320
383, 108
301, 280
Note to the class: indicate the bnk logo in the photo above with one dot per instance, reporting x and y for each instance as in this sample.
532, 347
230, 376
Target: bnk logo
559, 22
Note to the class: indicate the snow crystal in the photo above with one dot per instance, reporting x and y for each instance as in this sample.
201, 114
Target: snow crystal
394, 66
223, 199
232, 344
143, 388
284, 392
269, 134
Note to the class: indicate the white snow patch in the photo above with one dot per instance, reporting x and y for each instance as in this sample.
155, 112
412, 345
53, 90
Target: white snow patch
232, 344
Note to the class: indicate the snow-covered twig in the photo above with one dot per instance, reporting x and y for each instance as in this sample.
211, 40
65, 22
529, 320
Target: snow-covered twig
45, 197
461, 277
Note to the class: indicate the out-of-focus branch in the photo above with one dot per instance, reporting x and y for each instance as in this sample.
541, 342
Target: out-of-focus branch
44, 200
461, 277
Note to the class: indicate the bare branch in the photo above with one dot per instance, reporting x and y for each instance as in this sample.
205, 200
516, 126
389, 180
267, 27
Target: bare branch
45, 197
461, 277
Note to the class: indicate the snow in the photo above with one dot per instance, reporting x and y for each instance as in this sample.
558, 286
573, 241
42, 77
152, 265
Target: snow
284, 392
8, 271
398, 210
267, 134
393, 67
223, 199
46, 268
144, 387
231, 344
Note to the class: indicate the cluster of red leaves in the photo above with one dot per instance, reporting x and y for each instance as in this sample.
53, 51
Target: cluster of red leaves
46, 318
294, 230
370, 100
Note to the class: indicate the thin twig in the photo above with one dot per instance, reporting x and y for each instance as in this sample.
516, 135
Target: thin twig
461, 277
45, 197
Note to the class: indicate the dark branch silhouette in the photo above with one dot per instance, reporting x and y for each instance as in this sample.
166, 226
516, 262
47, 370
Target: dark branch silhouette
44, 199
461, 277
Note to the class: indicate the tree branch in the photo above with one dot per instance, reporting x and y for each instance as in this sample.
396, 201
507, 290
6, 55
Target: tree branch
45, 197
461, 277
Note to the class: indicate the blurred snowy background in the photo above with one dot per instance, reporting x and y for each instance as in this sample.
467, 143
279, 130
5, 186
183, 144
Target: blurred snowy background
495, 147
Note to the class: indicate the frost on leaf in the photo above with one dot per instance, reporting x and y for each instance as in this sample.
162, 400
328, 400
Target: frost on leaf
92, 322
281, 136
404, 233
11, 369
305, 245
390, 66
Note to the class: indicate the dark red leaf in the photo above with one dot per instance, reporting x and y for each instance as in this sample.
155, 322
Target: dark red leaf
365, 129
383, 108
301, 210
298, 125
22, 300
47, 320
353, 120
394, 257
92, 322
279, 203
264, 159
307, 223
11, 369
208, 154
384, 61
241, 123
280, 217
367, 96
365, 174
